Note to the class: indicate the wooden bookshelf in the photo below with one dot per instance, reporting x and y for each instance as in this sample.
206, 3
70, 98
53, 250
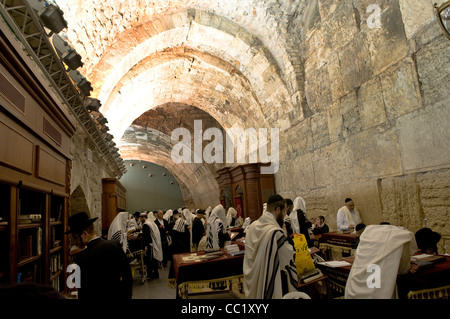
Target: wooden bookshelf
35, 168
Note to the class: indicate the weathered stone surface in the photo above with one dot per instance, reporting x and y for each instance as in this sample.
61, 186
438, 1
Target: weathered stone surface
371, 104
416, 14
424, 138
388, 43
401, 90
433, 65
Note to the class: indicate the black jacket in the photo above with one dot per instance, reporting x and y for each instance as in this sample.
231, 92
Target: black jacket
105, 271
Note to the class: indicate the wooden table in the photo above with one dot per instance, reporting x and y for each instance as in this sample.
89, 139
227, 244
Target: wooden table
216, 273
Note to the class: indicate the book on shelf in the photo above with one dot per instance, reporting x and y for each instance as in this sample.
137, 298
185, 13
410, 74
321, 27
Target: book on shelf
30, 218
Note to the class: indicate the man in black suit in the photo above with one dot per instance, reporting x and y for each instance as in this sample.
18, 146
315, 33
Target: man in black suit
104, 269
163, 226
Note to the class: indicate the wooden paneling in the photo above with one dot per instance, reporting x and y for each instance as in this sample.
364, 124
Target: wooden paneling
248, 186
113, 201
8, 91
50, 167
16, 151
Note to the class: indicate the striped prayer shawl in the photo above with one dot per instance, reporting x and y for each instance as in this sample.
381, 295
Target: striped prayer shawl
180, 225
118, 230
267, 253
214, 227
273, 266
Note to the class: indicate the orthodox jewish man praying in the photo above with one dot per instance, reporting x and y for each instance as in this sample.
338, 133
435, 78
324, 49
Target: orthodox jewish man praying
104, 270
348, 217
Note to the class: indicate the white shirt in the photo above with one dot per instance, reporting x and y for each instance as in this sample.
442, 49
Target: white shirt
342, 223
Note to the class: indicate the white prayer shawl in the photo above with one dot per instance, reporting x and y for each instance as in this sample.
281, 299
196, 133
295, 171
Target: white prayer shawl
118, 230
216, 223
383, 246
267, 252
207, 212
151, 216
299, 203
349, 218
232, 213
156, 240
168, 214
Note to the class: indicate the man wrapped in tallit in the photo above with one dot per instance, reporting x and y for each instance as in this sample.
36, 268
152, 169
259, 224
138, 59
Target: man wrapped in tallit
299, 204
156, 244
118, 230
348, 216
383, 252
267, 253
216, 229
231, 217
168, 215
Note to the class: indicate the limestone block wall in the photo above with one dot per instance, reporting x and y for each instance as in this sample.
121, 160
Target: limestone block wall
86, 177
378, 130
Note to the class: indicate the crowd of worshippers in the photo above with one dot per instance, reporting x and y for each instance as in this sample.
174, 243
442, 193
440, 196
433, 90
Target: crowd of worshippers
165, 233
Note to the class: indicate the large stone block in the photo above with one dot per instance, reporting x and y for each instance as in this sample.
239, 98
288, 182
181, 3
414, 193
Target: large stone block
320, 132
355, 65
333, 164
401, 202
401, 89
317, 89
388, 43
415, 14
424, 138
340, 26
335, 122
371, 104
433, 65
375, 153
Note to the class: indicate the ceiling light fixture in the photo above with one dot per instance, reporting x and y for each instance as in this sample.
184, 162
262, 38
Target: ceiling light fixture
443, 14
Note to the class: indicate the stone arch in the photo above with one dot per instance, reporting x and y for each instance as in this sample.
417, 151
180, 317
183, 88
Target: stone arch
78, 202
196, 180
206, 32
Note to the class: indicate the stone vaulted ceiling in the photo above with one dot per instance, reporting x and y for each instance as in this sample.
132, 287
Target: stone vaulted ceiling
156, 65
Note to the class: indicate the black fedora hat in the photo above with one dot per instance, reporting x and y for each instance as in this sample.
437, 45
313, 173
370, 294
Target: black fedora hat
426, 238
80, 221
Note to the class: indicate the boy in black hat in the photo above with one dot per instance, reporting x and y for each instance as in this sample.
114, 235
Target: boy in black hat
104, 269
427, 240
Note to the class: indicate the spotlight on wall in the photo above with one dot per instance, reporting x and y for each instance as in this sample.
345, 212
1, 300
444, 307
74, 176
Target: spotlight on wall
92, 105
83, 85
67, 54
443, 15
108, 137
104, 129
110, 144
150, 175
51, 16
101, 119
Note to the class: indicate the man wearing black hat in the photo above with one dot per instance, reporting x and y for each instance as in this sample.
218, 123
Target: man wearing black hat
427, 240
104, 269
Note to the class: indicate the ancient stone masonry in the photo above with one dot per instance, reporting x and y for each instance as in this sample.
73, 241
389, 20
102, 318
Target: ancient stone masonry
358, 88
